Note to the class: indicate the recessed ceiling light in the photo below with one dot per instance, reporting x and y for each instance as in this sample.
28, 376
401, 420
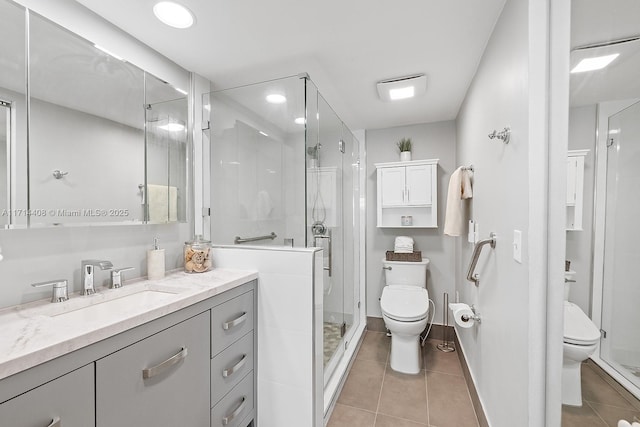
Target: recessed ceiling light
173, 14
300, 121
595, 63
172, 127
262, 133
276, 98
119, 58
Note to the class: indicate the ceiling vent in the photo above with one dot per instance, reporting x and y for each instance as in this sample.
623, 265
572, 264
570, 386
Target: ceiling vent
402, 87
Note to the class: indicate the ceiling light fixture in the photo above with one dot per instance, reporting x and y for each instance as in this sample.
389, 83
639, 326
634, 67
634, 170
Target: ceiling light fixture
300, 121
262, 133
119, 58
172, 127
276, 98
182, 91
594, 63
402, 87
173, 14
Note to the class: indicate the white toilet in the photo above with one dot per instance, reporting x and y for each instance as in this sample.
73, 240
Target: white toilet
581, 338
405, 308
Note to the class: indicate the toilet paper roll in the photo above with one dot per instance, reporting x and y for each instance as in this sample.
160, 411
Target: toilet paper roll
462, 314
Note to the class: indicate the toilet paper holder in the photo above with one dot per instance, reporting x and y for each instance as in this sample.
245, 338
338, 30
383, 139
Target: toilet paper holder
476, 315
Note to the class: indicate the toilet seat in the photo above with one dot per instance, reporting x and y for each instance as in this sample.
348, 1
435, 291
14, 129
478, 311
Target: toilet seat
405, 303
578, 328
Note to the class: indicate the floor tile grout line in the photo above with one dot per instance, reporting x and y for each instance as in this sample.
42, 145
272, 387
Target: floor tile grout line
608, 379
598, 415
626, 408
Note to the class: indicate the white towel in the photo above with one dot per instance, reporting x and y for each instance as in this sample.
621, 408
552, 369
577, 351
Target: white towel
163, 203
459, 189
403, 245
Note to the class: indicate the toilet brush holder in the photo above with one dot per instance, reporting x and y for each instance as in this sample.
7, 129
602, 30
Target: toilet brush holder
445, 345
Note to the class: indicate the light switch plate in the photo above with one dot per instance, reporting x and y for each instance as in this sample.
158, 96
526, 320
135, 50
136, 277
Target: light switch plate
517, 245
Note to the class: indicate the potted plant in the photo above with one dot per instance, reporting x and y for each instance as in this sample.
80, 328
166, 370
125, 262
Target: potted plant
404, 145
312, 152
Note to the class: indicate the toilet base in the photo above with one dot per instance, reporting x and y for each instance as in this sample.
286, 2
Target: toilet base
571, 383
405, 353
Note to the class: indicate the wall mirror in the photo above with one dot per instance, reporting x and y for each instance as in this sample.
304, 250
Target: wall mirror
106, 141
604, 118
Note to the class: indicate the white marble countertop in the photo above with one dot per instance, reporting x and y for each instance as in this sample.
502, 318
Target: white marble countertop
40, 331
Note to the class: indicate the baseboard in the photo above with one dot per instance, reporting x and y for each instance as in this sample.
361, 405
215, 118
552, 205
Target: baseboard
473, 392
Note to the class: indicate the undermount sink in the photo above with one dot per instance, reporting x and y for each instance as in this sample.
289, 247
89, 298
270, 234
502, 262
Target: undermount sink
112, 300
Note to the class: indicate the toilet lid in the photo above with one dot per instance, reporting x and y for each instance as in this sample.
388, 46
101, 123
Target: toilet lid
405, 303
578, 328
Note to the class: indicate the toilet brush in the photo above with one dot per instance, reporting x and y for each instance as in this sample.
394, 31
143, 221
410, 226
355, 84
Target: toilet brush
445, 346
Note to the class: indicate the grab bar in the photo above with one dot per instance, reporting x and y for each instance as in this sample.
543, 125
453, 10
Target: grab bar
476, 254
329, 267
239, 239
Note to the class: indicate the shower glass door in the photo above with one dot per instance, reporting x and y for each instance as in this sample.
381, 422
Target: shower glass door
620, 346
332, 220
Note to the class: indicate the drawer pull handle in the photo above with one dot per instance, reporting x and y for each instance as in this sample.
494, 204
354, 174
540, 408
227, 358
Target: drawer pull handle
226, 420
55, 422
155, 370
235, 322
232, 370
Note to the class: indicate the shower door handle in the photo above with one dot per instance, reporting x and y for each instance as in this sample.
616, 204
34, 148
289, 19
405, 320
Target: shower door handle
330, 255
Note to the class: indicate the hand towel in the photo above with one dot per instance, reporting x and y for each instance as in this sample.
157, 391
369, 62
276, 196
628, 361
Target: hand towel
459, 189
403, 245
163, 203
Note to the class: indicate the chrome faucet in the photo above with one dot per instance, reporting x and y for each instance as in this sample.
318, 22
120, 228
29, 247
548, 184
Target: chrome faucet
87, 272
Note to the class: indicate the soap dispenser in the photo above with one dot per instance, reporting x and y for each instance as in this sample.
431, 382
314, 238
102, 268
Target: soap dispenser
155, 261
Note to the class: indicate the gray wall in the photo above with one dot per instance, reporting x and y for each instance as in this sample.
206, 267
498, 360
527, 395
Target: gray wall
582, 135
498, 350
430, 141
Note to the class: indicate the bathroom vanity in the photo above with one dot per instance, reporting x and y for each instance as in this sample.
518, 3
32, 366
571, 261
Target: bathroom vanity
176, 352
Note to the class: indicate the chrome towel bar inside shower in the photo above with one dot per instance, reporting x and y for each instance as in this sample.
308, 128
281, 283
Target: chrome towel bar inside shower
239, 239
472, 276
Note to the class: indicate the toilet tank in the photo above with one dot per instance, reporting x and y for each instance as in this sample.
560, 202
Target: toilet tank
405, 273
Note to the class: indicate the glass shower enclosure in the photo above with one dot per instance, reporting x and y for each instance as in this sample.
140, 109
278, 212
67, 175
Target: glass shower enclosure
620, 345
285, 171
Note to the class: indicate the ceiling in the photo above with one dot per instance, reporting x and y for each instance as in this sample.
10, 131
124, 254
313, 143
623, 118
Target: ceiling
596, 22
346, 47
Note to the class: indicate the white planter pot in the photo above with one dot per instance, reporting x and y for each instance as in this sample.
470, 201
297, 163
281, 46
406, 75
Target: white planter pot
405, 156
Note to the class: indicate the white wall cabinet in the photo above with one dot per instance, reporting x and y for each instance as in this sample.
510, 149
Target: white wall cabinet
575, 188
408, 189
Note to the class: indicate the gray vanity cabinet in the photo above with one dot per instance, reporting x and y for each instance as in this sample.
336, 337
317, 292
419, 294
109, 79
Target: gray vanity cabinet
66, 401
162, 380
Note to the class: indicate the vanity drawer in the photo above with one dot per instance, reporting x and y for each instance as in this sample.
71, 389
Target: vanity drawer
66, 401
158, 381
230, 366
231, 321
233, 409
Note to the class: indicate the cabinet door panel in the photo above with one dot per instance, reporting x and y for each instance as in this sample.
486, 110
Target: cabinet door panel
392, 181
419, 185
175, 393
68, 399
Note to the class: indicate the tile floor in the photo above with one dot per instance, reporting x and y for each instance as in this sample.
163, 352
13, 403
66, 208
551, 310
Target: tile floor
604, 401
376, 396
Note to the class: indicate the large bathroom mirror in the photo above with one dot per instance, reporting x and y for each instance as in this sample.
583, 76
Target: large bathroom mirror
106, 143
604, 118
